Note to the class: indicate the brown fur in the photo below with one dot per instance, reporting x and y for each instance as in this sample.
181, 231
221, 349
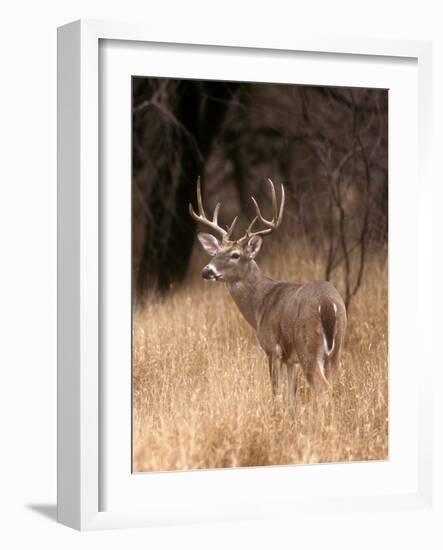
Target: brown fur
289, 318
296, 325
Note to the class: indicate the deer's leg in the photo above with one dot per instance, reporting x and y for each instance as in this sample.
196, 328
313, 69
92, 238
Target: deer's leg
278, 368
271, 374
332, 365
278, 378
292, 385
314, 370
275, 374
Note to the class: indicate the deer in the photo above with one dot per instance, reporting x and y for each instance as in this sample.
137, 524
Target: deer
298, 325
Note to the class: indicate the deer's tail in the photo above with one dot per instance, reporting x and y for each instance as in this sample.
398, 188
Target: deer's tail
328, 325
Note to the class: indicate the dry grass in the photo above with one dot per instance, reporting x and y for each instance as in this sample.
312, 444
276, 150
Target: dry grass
201, 392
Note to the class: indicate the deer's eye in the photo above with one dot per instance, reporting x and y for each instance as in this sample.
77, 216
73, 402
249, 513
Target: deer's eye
235, 255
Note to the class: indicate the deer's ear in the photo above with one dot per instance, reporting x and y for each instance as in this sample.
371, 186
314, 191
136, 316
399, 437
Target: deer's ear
254, 245
209, 243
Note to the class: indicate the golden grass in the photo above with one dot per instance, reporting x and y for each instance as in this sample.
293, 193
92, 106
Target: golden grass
201, 390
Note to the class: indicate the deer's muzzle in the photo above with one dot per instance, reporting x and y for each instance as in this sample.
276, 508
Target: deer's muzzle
209, 273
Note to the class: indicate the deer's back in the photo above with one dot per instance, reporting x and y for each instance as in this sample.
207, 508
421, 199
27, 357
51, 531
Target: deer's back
290, 317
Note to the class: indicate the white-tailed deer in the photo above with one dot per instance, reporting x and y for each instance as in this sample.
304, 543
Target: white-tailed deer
296, 324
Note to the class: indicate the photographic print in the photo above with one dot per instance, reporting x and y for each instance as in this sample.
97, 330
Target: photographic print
259, 274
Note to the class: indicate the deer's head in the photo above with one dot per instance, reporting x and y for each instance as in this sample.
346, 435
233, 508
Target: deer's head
231, 258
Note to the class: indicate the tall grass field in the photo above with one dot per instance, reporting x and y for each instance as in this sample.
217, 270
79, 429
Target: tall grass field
201, 391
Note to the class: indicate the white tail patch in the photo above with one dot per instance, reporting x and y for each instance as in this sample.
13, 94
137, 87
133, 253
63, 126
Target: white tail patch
321, 368
325, 343
323, 335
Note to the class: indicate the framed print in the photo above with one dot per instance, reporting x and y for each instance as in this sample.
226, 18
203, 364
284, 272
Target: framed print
213, 416
223, 357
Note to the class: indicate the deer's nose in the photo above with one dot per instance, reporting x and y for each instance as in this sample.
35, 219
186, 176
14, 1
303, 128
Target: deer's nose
209, 272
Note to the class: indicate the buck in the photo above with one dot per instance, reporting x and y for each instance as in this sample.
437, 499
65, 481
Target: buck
297, 325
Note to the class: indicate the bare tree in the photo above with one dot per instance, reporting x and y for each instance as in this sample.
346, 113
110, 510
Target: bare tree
327, 145
174, 126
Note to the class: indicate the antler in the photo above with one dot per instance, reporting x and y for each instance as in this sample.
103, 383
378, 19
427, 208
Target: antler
202, 218
271, 225
277, 214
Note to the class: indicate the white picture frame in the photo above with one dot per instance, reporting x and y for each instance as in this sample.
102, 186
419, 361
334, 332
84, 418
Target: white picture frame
79, 256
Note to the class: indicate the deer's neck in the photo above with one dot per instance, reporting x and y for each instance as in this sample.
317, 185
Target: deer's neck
248, 293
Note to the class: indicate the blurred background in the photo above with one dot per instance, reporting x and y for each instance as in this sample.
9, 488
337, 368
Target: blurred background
327, 145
